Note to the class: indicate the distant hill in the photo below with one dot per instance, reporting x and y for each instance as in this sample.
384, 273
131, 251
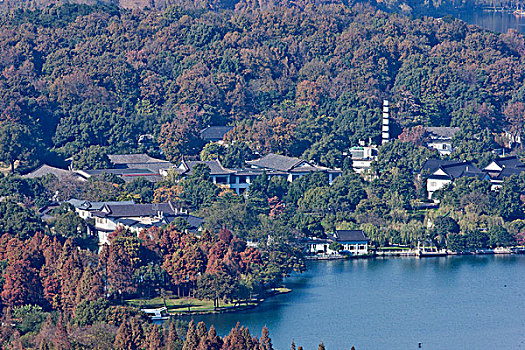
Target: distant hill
304, 80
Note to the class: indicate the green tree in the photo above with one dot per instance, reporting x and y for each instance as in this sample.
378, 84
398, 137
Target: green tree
15, 143
92, 157
69, 224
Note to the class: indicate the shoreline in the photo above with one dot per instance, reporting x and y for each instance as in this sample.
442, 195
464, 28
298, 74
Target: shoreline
415, 253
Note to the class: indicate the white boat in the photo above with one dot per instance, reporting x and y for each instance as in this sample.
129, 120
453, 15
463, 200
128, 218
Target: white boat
158, 314
519, 12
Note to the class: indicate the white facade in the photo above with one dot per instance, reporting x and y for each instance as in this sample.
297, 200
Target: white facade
322, 247
444, 148
434, 185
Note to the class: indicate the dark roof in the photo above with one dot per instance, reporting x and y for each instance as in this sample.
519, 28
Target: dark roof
134, 159
276, 161
507, 172
431, 165
308, 169
465, 169
193, 221
119, 172
215, 166
350, 235
214, 133
256, 172
48, 169
442, 132
87, 205
139, 161
509, 162
137, 210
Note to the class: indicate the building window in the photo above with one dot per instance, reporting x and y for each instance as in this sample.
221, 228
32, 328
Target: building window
243, 179
221, 180
433, 184
362, 247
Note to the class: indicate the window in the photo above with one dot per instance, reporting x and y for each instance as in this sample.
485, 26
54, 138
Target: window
362, 247
221, 180
433, 183
242, 179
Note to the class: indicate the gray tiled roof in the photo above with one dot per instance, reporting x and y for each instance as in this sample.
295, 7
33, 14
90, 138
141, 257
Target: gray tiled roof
431, 165
134, 158
120, 172
464, 169
138, 210
507, 172
87, 205
442, 132
350, 235
215, 166
48, 169
509, 162
276, 161
214, 133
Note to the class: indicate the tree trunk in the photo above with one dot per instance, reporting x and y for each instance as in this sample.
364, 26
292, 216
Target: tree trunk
12, 166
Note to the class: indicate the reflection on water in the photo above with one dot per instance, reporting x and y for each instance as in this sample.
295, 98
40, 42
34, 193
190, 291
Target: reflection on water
446, 303
494, 21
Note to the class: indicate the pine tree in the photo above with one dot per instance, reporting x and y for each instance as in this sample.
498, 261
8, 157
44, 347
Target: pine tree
153, 338
60, 338
293, 345
172, 336
215, 342
202, 331
265, 343
321, 346
124, 337
192, 340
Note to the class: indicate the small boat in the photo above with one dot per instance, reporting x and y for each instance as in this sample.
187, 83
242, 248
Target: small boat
159, 314
519, 12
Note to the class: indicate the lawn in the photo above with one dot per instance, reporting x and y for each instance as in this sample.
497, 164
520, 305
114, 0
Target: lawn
178, 305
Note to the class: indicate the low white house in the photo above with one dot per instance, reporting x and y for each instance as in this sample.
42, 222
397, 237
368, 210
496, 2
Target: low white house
106, 217
353, 242
440, 139
362, 157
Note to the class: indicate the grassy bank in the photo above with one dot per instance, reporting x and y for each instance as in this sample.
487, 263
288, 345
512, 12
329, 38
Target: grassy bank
187, 305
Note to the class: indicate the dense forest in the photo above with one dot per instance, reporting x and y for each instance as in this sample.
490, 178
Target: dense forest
303, 81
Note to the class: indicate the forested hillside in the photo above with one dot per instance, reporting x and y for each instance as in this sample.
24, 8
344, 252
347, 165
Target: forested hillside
305, 81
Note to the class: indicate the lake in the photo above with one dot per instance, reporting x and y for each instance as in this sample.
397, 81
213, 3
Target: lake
458, 302
494, 21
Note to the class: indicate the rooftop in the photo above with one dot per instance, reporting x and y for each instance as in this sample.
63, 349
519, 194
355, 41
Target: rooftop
214, 133
442, 132
350, 235
137, 210
45, 169
509, 162
277, 162
432, 165
134, 159
87, 205
215, 166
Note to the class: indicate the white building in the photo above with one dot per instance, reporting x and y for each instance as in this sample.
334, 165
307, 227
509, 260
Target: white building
440, 139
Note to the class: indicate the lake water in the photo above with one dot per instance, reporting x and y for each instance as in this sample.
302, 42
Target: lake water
494, 21
465, 302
